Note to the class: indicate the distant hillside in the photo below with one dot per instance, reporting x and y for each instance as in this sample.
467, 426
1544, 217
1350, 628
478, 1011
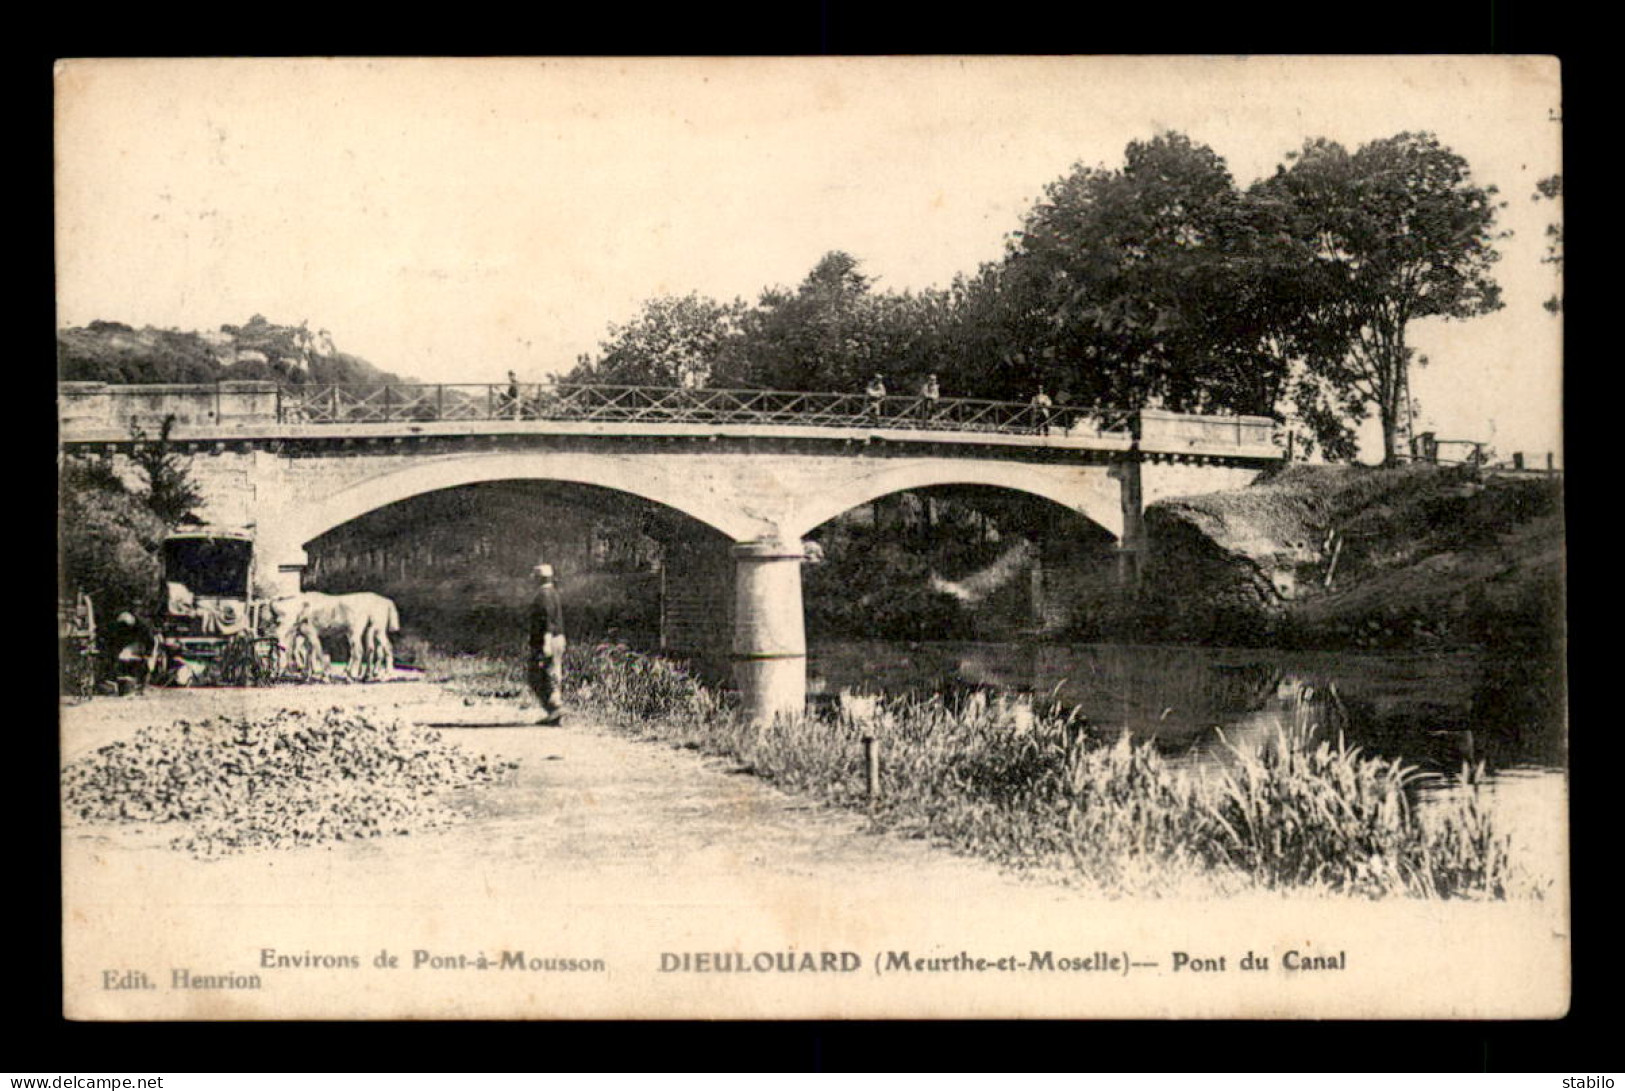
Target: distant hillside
113, 352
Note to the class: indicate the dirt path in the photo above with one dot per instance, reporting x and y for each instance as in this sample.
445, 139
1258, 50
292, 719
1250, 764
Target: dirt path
586, 807
627, 857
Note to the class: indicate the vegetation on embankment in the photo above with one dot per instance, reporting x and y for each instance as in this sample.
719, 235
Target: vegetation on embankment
114, 352
107, 539
1040, 793
1353, 556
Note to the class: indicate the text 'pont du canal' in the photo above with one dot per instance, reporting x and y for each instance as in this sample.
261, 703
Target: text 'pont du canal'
792, 961
1119, 963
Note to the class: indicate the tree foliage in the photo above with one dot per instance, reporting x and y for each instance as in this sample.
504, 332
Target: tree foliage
115, 352
1160, 283
108, 539
1392, 233
171, 492
829, 333
1131, 287
821, 336
1551, 189
672, 341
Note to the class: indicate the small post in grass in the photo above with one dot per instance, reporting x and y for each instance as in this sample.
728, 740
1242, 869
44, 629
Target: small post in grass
871, 763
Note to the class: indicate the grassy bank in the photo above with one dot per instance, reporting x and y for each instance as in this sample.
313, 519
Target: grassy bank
1044, 793
1359, 557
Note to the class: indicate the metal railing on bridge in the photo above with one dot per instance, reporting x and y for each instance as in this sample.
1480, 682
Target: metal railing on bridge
676, 405
99, 412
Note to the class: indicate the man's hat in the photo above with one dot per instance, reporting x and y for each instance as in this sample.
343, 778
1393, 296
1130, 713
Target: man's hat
545, 571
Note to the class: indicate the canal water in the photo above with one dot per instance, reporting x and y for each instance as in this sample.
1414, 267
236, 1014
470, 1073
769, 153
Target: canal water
1434, 711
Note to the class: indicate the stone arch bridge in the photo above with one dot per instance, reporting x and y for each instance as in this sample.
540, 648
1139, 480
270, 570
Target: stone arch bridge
763, 469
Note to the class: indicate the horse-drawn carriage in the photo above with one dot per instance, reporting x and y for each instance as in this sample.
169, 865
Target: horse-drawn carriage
210, 628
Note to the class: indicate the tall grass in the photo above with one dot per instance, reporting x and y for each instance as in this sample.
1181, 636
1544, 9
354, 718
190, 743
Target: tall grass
474, 675
1041, 791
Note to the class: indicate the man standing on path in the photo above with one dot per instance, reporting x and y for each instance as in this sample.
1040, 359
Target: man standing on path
545, 666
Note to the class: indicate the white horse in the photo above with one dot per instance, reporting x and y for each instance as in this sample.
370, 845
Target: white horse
364, 620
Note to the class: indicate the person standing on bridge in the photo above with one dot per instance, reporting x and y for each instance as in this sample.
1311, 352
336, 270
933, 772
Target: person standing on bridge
514, 400
930, 395
1043, 412
545, 665
876, 392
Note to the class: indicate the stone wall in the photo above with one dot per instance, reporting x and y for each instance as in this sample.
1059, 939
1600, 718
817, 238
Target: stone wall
98, 406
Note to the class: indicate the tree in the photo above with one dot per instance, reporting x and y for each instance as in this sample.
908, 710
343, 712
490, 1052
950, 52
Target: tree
171, 492
819, 337
987, 346
829, 334
1390, 234
108, 539
673, 341
1140, 287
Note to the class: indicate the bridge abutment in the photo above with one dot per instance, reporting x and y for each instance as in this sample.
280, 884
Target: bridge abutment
769, 637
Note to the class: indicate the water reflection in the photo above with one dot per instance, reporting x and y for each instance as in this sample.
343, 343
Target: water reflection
1434, 711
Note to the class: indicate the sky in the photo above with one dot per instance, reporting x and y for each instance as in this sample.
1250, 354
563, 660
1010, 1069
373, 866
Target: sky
452, 219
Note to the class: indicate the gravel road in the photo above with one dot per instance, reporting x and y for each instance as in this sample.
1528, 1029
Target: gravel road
586, 805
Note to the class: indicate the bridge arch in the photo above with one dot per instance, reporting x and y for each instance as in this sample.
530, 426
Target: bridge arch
302, 519
1090, 491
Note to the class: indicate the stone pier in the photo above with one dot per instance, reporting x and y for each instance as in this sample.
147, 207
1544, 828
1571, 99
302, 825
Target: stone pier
769, 637
1131, 541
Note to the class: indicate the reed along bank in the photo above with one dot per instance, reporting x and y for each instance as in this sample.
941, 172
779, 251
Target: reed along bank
1040, 791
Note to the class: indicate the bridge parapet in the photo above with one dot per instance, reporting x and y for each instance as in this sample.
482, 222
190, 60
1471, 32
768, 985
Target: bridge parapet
232, 411
1165, 433
100, 407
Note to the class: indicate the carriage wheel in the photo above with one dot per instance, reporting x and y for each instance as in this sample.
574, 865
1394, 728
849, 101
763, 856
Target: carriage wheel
228, 664
267, 659
241, 662
158, 668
